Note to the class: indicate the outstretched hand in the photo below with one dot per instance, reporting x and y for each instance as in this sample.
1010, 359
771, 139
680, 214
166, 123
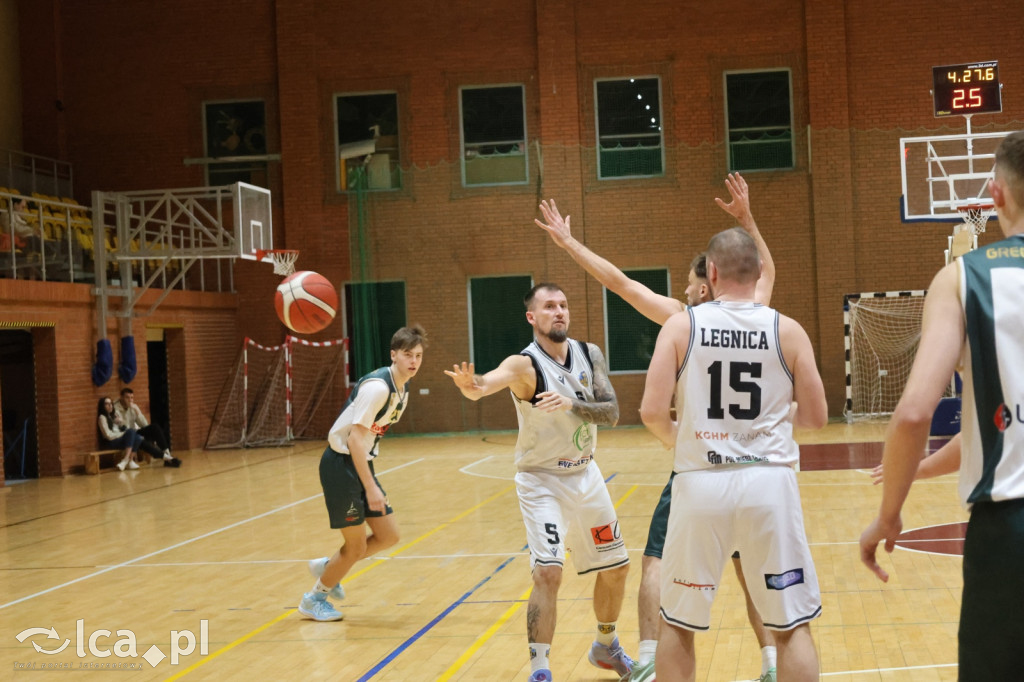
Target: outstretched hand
463, 377
739, 207
555, 226
869, 539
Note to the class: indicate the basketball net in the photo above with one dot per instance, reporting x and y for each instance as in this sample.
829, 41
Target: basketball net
283, 259
975, 217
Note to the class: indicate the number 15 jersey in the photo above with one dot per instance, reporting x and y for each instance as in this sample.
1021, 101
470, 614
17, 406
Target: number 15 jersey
733, 390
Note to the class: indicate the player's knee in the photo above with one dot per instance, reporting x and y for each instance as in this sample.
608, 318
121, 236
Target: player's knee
355, 544
387, 537
547, 577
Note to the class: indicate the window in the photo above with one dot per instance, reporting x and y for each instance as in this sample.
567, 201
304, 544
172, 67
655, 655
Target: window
630, 335
495, 330
374, 311
759, 119
368, 150
236, 142
493, 135
629, 135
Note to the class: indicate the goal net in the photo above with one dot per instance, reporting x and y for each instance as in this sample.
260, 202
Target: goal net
277, 394
883, 330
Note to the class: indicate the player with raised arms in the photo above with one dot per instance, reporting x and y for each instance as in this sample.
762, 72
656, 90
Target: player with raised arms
658, 309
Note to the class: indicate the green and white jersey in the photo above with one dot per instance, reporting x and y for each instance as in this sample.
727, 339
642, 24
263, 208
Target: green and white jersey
992, 292
556, 441
376, 403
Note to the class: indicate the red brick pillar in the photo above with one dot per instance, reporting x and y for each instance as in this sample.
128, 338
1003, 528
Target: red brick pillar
832, 198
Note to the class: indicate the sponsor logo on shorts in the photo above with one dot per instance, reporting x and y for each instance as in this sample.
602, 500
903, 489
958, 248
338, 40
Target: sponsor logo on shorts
700, 587
380, 429
607, 537
715, 457
780, 581
352, 513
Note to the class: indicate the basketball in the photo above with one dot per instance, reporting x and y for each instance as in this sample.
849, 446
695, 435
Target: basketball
306, 302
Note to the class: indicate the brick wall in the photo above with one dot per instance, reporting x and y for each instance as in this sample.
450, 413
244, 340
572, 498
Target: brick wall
860, 73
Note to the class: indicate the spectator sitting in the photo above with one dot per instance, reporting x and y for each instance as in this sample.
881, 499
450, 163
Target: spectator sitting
114, 434
16, 226
154, 441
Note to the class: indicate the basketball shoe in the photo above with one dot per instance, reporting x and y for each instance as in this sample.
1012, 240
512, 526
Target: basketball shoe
542, 675
317, 568
315, 605
768, 676
610, 657
642, 673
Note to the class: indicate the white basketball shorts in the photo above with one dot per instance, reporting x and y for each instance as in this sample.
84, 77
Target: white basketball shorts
570, 510
753, 509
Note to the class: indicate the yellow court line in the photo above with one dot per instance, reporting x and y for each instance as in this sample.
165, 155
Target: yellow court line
232, 645
482, 639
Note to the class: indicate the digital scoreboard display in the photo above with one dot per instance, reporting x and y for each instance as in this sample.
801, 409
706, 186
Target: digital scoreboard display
963, 89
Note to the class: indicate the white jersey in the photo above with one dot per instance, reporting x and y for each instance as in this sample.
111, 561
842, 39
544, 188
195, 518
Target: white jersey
992, 289
556, 441
734, 391
376, 403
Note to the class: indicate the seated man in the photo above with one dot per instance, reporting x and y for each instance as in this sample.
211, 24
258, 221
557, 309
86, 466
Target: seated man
154, 441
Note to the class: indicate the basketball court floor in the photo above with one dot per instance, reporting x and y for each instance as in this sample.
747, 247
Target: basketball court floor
215, 553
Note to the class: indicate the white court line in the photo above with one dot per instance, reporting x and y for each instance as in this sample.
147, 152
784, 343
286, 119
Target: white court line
187, 542
875, 671
466, 470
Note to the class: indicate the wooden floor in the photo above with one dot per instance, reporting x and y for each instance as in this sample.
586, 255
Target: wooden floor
225, 539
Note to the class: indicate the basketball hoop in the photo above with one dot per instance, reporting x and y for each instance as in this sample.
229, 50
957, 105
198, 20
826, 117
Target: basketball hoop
975, 216
283, 259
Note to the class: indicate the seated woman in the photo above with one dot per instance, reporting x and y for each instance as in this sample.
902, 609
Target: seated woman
114, 434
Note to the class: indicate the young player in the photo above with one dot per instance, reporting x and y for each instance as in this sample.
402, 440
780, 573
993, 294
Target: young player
351, 490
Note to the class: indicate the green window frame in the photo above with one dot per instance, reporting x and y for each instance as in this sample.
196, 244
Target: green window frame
493, 135
630, 336
497, 319
759, 120
374, 311
630, 140
367, 141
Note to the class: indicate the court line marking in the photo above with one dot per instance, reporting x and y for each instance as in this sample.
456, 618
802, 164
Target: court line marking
506, 616
874, 671
348, 578
185, 542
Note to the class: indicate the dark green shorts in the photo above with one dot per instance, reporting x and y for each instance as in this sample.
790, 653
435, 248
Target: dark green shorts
343, 491
991, 627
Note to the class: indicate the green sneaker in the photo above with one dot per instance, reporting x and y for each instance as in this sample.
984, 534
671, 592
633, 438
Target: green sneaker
768, 676
642, 673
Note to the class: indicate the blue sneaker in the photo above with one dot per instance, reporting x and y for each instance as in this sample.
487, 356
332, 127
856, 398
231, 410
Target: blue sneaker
610, 657
317, 568
315, 605
542, 675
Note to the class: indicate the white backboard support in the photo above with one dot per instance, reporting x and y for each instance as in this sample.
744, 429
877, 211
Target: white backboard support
945, 173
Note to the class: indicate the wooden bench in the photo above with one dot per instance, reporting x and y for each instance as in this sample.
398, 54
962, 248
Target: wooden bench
92, 460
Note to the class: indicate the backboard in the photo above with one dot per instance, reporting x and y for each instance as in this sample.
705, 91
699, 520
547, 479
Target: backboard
944, 173
254, 226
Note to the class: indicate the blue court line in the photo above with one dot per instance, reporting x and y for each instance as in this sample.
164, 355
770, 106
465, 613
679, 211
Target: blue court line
438, 618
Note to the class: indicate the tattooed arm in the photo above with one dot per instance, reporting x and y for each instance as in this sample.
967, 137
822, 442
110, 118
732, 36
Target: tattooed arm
604, 410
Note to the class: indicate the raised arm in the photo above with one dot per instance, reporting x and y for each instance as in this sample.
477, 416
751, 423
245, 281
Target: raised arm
739, 208
515, 372
654, 307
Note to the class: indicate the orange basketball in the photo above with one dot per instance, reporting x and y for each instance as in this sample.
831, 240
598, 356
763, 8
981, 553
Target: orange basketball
306, 302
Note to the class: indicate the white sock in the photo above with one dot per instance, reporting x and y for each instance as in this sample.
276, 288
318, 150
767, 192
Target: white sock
767, 659
539, 656
646, 652
320, 587
606, 633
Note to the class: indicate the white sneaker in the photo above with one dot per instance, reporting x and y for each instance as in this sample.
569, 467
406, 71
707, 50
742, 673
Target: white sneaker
132, 464
317, 568
315, 605
122, 464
